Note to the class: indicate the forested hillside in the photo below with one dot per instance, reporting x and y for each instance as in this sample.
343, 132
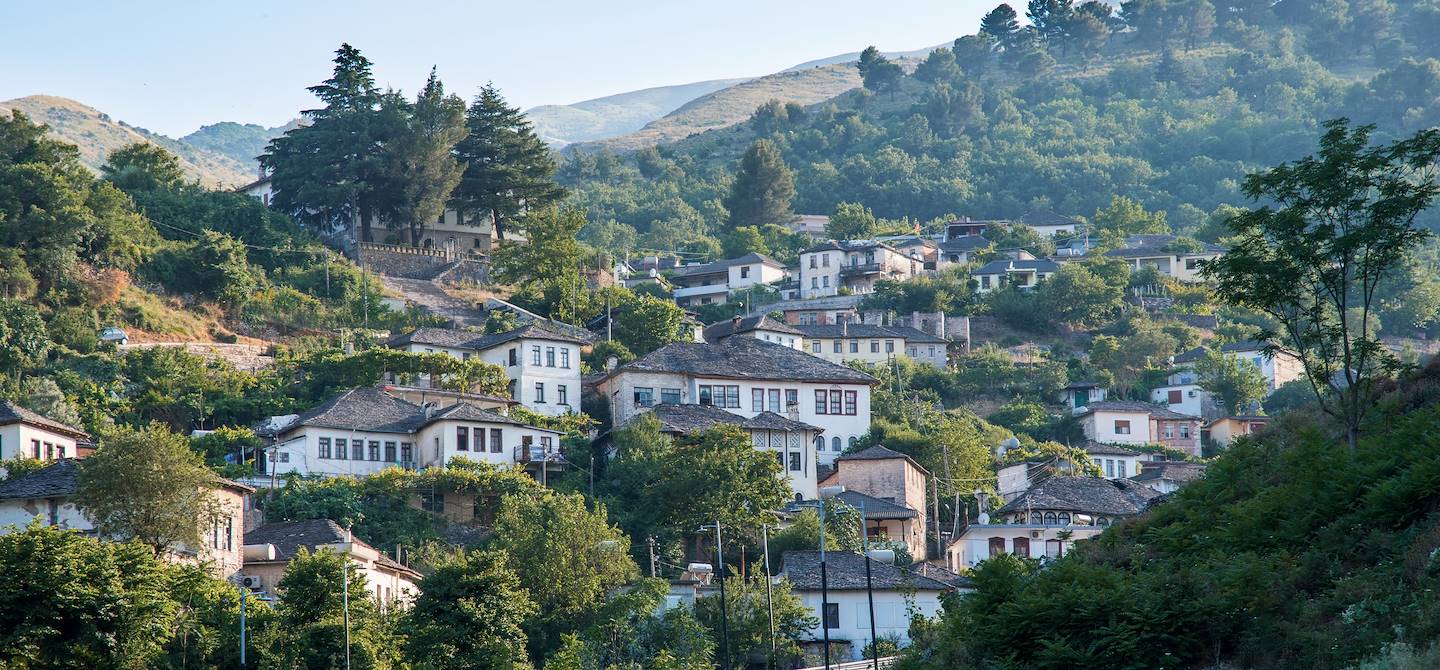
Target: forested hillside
1168, 104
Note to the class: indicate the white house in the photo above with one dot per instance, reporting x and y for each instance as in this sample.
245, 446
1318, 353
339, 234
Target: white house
747, 376
1081, 393
1115, 462
792, 442
898, 593
1021, 273
363, 431
24, 433
1168, 254
1277, 369
1169, 476
1128, 422
543, 365
873, 344
854, 265
760, 327
270, 548
712, 283
961, 249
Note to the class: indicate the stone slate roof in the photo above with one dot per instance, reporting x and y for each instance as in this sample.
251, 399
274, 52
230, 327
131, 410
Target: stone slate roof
1084, 495
868, 330
1002, 266
1047, 217
686, 419
826, 303
964, 244
465, 339
1156, 411
845, 571
1176, 471
725, 265
290, 536
1101, 449
941, 574
723, 329
1078, 386
13, 413
1154, 245
878, 452
744, 358
372, 410
52, 481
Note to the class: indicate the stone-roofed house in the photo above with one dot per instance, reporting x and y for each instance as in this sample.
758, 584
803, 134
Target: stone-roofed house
747, 376
1114, 461
962, 249
898, 592
270, 548
1132, 422
1048, 518
823, 311
884, 474
363, 431
759, 326
47, 495
1021, 273
543, 364
874, 344
1277, 369
1170, 255
712, 283
1167, 476
793, 442
29, 434
1082, 393
853, 264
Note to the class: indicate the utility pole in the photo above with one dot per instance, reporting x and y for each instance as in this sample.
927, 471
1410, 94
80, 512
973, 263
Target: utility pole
824, 589
869, 587
345, 596
769, 604
650, 544
935, 510
242, 627
724, 614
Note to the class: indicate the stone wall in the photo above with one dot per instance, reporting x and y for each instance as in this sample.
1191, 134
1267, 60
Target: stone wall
399, 261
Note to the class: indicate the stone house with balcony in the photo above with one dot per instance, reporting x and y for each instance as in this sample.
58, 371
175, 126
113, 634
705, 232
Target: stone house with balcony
29, 434
873, 344
854, 265
712, 283
543, 364
892, 488
363, 431
1128, 422
747, 376
270, 548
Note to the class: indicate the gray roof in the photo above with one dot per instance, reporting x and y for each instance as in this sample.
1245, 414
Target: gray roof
868, 330
964, 244
1178, 471
725, 265
52, 481
879, 509
13, 413
1083, 495
845, 571
1047, 217
744, 358
686, 419
878, 452
374, 411
465, 339
1005, 265
1101, 449
723, 329
817, 304
1154, 410
289, 537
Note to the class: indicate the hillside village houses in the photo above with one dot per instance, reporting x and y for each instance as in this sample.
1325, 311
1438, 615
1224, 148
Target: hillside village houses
28, 434
713, 283
270, 548
747, 376
1139, 423
854, 265
1182, 392
891, 487
760, 327
543, 365
873, 344
1169, 254
1020, 273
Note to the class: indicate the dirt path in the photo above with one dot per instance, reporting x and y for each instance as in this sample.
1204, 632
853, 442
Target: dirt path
425, 293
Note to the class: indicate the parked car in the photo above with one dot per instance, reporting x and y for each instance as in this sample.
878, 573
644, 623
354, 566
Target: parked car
116, 335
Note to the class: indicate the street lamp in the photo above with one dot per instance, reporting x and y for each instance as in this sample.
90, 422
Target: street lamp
724, 616
819, 505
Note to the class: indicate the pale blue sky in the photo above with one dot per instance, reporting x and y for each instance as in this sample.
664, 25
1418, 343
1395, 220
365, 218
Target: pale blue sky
172, 66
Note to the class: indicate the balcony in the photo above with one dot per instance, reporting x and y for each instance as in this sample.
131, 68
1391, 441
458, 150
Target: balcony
708, 289
860, 270
536, 453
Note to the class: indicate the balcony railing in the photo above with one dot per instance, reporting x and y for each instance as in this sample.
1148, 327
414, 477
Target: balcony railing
536, 453
867, 268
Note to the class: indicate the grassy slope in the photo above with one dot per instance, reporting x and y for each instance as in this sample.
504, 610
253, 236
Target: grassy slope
735, 104
96, 134
615, 114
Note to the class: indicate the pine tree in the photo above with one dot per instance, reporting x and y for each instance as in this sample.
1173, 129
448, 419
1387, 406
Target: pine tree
425, 154
762, 190
937, 67
508, 170
1003, 24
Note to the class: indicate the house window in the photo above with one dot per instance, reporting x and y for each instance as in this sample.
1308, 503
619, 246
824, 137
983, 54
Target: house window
324, 447
1122, 427
1193, 263
670, 396
720, 396
535, 355
757, 400
835, 400
1037, 518
825, 281
407, 454
374, 450
815, 347
390, 452
1110, 468
562, 394
1022, 547
464, 355
825, 260
745, 272
565, 357
479, 440
814, 282
706, 398
644, 396
60, 451
341, 449
1050, 519
853, 441
1169, 430
985, 281
794, 461
514, 357
35, 447
912, 351
850, 402
836, 346
357, 450
1185, 431
854, 346
820, 402
539, 392
1119, 469
812, 262
819, 443
832, 615
874, 346
774, 397
283, 457
1174, 397
997, 546
889, 346
835, 443
495, 440
549, 357
792, 399
462, 438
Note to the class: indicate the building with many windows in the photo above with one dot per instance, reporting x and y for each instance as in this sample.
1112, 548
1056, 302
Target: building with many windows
28, 434
747, 376
854, 265
1129, 422
543, 365
712, 283
873, 344
272, 546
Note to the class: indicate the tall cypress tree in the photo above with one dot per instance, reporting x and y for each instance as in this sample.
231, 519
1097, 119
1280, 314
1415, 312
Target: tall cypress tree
508, 169
429, 170
762, 190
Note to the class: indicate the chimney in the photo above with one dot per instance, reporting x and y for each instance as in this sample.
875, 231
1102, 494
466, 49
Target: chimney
734, 324
429, 408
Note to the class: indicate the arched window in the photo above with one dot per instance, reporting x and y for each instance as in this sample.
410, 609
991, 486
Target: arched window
835, 443
1049, 518
1037, 518
819, 443
853, 440
1063, 518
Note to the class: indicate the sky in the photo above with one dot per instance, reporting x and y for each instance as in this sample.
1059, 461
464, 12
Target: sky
172, 66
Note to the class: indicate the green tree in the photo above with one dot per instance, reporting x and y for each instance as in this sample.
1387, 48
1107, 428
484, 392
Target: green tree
1237, 383
632, 631
1343, 221
1079, 298
647, 323
1127, 217
148, 485
851, 221
974, 53
426, 155
1003, 25
23, 338
549, 263
748, 617
309, 628
762, 190
16, 282
508, 169
96, 604
470, 615
744, 240
143, 166
937, 67
43, 395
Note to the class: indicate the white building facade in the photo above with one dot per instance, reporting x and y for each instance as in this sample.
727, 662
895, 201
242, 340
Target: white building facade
543, 366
